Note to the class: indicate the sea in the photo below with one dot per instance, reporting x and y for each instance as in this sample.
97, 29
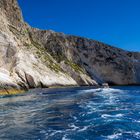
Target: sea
77, 113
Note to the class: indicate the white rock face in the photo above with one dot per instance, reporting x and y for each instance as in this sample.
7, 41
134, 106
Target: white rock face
40, 73
24, 62
5, 77
18, 65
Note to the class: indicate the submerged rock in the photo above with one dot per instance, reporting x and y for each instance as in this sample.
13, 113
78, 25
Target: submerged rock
31, 58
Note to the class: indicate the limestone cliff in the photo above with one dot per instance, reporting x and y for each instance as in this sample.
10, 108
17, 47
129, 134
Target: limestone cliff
32, 58
101, 62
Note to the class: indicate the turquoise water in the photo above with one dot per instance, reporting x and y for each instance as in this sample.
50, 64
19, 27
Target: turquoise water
72, 114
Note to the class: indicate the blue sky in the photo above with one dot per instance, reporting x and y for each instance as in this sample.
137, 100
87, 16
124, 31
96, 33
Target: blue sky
115, 22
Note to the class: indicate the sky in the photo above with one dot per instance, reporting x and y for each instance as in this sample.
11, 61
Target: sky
114, 22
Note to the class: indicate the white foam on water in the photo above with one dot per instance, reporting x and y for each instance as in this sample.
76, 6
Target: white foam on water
83, 129
137, 135
43, 132
91, 107
89, 91
65, 137
112, 89
74, 127
136, 121
106, 93
114, 136
55, 132
110, 96
110, 93
112, 116
75, 118
134, 133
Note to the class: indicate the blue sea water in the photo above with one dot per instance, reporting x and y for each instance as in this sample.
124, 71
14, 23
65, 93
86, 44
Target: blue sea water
72, 114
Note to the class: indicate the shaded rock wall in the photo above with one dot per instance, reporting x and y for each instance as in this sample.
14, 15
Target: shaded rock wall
101, 62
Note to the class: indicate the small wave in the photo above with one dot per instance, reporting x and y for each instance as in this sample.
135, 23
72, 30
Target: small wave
112, 116
55, 132
83, 129
74, 127
111, 90
75, 118
114, 136
102, 90
90, 90
136, 121
137, 135
65, 137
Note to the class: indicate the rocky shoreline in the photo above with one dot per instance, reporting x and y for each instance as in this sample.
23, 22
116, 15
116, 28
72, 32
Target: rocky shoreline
10, 92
